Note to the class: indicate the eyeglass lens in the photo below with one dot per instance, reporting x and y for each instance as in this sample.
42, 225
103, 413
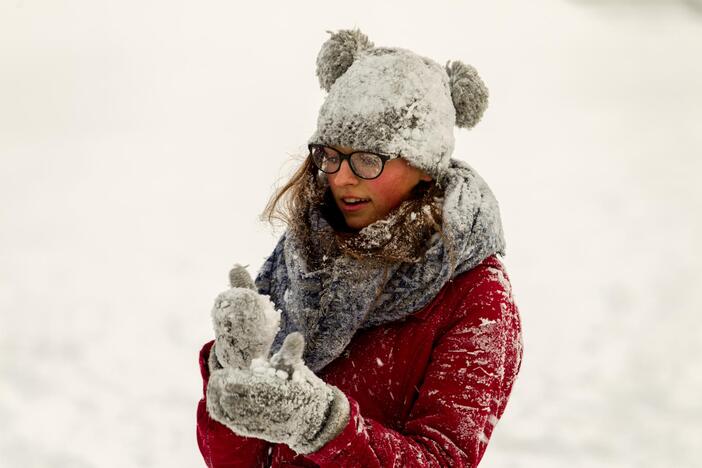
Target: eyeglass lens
364, 165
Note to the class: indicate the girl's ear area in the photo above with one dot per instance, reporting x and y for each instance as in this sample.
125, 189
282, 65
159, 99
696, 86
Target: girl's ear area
423, 176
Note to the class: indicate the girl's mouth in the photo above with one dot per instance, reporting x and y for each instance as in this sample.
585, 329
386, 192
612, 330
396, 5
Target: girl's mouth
353, 204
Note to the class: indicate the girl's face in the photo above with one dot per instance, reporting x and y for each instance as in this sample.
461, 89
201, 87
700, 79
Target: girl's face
378, 196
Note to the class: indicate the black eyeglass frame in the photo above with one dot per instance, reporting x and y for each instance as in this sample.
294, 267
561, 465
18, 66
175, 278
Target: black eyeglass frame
344, 156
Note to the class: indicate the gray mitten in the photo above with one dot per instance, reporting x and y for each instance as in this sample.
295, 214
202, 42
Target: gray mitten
279, 400
245, 323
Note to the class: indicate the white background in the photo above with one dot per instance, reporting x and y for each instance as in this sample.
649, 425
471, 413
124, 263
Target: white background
140, 140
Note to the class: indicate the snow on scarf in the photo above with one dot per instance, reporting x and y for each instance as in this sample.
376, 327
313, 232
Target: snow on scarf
328, 304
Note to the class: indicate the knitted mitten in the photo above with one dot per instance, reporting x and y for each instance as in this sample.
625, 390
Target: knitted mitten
279, 400
245, 323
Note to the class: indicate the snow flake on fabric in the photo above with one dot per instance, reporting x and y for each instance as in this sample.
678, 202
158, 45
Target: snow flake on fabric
331, 303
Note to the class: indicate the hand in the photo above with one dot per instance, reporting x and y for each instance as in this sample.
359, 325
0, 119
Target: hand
279, 400
245, 323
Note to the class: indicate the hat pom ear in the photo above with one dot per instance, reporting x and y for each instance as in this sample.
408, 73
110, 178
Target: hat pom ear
338, 53
468, 93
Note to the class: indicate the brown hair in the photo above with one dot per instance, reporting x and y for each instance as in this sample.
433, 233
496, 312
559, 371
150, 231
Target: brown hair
286, 200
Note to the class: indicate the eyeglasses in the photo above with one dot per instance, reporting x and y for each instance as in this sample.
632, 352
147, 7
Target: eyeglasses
364, 164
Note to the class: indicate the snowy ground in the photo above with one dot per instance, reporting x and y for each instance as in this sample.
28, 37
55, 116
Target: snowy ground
140, 140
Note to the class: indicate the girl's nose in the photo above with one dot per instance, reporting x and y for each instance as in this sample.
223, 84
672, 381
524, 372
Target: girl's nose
345, 175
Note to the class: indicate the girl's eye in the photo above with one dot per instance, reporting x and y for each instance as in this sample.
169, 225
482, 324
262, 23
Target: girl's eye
368, 159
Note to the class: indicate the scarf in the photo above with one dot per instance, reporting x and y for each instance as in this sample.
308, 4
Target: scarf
329, 285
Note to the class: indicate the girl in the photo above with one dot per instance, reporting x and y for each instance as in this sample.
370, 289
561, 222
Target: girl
396, 340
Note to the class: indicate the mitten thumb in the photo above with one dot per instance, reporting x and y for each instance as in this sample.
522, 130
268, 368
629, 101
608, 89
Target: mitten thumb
240, 278
289, 356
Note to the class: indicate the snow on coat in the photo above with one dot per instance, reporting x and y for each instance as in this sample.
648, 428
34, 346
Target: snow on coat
424, 391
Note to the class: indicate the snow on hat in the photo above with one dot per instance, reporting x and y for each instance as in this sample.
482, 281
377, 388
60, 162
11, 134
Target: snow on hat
393, 101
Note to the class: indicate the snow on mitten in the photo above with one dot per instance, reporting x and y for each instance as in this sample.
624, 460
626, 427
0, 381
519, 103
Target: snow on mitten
279, 400
245, 323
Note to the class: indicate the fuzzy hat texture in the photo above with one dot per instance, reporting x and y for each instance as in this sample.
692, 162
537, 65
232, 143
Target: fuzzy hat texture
393, 101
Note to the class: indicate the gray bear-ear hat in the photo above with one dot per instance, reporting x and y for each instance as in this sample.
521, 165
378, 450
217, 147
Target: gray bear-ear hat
393, 101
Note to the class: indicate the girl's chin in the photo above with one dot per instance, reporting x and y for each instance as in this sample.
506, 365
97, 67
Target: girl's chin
359, 221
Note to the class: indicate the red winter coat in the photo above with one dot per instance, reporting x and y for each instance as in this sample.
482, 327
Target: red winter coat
425, 391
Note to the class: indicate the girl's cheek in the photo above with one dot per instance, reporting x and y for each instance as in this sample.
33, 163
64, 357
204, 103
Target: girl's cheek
386, 192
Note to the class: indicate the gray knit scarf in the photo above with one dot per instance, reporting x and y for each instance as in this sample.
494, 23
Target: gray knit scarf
342, 294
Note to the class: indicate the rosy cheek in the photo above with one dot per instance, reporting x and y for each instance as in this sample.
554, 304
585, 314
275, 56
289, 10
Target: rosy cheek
386, 191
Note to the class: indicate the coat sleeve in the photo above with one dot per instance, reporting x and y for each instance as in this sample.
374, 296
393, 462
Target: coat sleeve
464, 392
219, 446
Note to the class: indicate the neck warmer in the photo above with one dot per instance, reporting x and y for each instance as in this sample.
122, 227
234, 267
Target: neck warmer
328, 293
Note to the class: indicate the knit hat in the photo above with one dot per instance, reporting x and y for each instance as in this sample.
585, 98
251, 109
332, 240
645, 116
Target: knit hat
393, 101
